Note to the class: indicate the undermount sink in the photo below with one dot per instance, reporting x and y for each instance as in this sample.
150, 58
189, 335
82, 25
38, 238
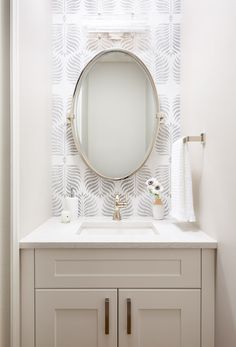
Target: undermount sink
117, 228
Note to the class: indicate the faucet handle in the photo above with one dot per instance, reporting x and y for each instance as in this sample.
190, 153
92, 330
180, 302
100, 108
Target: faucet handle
117, 197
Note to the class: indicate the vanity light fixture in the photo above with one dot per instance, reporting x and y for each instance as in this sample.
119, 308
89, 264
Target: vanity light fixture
116, 28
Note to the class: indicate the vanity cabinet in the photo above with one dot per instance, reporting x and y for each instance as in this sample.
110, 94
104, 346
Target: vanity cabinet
117, 297
159, 318
72, 318
88, 318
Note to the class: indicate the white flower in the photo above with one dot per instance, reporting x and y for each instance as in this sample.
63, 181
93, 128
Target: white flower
151, 182
154, 187
157, 189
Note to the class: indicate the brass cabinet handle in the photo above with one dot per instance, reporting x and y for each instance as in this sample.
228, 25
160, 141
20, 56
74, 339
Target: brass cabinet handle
107, 316
129, 316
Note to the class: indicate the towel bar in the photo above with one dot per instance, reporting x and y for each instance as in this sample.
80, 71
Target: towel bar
201, 138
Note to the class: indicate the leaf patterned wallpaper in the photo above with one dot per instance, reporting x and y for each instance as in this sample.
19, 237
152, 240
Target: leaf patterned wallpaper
73, 46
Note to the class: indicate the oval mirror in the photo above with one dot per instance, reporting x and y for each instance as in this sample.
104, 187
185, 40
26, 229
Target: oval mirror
114, 114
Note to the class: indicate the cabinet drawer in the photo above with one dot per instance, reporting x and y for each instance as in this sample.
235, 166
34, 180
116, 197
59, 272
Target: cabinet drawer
117, 268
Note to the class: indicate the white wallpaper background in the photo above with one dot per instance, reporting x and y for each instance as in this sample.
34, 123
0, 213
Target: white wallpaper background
73, 47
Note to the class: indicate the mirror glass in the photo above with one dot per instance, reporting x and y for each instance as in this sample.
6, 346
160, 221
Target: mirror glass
114, 110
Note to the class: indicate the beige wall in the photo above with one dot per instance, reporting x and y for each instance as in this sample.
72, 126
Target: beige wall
209, 103
4, 177
35, 96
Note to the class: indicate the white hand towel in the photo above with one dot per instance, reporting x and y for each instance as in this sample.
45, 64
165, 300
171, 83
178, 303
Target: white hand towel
181, 183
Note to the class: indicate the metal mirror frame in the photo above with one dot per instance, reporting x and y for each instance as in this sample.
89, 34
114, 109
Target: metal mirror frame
72, 119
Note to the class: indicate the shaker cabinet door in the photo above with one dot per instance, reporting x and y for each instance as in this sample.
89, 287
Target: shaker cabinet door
159, 318
72, 318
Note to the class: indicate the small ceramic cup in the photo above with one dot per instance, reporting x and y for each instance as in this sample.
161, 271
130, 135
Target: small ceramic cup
158, 209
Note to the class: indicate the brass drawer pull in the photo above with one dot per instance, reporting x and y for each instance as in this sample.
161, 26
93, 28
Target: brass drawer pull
129, 316
107, 316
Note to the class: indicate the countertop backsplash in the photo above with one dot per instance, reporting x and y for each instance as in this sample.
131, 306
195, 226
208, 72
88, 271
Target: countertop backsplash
73, 46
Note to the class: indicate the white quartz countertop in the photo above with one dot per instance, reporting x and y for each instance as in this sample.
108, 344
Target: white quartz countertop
171, 234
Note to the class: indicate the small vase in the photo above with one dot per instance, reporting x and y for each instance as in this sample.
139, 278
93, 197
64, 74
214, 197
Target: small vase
158, 209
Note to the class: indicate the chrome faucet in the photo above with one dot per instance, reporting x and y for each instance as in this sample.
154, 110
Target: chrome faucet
118, 205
